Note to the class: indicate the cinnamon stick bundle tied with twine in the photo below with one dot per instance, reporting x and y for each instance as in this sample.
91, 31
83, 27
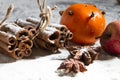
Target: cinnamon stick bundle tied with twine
15, 41
20, 39
65, 34
44, 36
11, 51
55, 34
24, 33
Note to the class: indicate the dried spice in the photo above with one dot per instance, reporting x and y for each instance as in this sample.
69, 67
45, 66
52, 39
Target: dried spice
20, 36
72, 65
85, 54
15, 41
49, 36
7, 38
78, 58
65, 34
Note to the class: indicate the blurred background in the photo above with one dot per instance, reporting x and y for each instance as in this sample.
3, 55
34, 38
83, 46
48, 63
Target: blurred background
25, 8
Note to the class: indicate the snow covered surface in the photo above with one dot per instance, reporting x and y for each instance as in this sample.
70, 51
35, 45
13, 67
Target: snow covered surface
42, 65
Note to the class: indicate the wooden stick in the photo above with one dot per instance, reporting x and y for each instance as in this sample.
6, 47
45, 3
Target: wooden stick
7, 38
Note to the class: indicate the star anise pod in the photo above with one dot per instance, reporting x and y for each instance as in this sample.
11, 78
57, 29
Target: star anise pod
85, 54
74, 52
72, 65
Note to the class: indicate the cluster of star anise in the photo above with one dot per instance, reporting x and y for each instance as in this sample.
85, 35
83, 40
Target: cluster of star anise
78, 58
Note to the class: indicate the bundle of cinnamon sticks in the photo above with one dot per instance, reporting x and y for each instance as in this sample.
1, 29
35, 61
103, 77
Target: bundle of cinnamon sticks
18, 38
49, 35
54, 36
15, 41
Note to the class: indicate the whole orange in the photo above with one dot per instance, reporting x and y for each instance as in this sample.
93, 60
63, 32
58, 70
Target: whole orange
86, 21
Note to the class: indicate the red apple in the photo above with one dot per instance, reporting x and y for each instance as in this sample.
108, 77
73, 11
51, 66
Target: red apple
110, 39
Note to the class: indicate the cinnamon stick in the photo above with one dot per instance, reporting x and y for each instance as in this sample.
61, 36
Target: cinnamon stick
12, 47
4, 52
17, 54
12, 28
7, 38
22, 46
12, 54
31, 30
46, 45
32, 20
11, 50
28, 51
69, 35
49, 34
6, 47
23, 34
22, 23
28, 42
60, 42
28, 26
60, 27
